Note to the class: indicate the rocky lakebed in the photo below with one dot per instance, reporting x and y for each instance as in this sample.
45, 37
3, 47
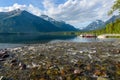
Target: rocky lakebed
61, 61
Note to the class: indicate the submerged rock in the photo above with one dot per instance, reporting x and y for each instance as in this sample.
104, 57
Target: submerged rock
3, 78
22, 66
102, 78
5, 56
82, 61
77, 71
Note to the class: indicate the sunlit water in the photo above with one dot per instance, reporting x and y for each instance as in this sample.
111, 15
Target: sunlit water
81, 39
11, 41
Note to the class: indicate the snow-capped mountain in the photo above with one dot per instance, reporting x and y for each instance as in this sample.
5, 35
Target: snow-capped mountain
4, 15
24, 22
98, 24
59, 24
47, 18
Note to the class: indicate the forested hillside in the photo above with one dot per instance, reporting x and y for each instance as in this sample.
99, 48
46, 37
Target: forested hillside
113, 27
109, 29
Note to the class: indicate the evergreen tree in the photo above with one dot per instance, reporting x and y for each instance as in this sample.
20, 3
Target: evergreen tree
115, 7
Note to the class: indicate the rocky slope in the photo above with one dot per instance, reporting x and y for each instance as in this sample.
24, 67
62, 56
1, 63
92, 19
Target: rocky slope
19, 21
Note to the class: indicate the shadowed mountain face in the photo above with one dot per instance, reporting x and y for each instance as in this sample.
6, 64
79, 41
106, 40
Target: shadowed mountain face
32, 38
25, 22
59, 24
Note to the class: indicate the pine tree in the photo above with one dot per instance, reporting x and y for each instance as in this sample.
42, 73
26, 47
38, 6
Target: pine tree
115, 7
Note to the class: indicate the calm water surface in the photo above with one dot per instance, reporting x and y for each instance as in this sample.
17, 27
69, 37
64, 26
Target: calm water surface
11, 41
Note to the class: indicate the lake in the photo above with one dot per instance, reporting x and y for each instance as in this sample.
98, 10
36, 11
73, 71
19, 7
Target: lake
11, 41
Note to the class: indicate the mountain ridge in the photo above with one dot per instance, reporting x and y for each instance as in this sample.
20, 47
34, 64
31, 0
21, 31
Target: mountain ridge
99, 24
60, 24
23, 21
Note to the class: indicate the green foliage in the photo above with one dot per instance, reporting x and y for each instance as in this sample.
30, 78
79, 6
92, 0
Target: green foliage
110, 28
113, 27
115, 7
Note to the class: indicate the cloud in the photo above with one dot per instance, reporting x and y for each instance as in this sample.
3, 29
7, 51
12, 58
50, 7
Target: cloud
78, 11
30, 8
34, 10
71, 11
10, 8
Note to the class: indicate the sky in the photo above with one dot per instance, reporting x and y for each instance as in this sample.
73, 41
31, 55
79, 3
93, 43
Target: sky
78, 13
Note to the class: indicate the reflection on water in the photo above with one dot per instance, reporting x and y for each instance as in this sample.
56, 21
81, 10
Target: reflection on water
9, 45
8, 41
81, 39
15, 40
26, 39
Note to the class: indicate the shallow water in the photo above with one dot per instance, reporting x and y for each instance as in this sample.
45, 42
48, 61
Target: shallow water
9, 45
81, 39
11, 41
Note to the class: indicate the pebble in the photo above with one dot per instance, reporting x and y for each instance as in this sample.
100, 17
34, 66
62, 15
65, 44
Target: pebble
101, 78
62, 61
2, 78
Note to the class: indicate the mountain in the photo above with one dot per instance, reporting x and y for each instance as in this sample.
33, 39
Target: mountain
98, 24
112, 19
111, 28
112, 25
59, 24
4, 15
47, 18
25, 22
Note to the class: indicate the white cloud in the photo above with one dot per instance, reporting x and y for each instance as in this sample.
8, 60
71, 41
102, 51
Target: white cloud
78, 11
72, 11
34, 10
10, 8
29, 8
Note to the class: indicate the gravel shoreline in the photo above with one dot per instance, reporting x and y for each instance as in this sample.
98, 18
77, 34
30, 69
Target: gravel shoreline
61, 61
